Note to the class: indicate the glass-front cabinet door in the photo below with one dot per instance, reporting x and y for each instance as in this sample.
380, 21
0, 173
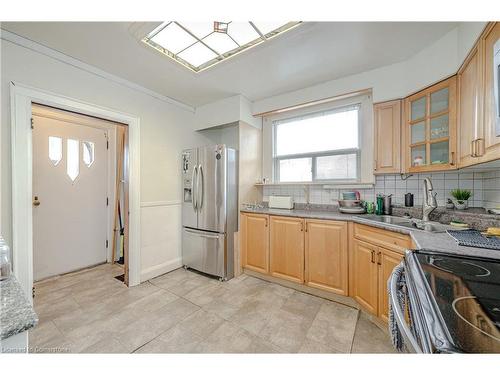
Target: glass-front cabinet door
430, 121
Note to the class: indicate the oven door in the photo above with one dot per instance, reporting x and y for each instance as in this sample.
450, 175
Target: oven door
398, 298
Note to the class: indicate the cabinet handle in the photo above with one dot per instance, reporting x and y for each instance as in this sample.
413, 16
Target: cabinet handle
379, 261
301, 226
266, 221
373, 256
473, 149
375, 166
452, 162
480, 147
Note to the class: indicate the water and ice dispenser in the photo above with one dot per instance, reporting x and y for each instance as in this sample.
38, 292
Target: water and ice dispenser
187, 175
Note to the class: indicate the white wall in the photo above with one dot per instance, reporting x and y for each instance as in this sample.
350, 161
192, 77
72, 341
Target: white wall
432, 64
165, 130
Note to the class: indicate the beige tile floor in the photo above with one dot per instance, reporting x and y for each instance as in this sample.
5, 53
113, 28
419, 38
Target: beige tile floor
185, 312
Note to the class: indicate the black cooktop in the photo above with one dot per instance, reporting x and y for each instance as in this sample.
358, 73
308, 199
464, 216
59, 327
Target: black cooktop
467, 295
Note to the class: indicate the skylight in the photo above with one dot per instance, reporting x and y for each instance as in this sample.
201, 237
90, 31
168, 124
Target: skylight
200, 45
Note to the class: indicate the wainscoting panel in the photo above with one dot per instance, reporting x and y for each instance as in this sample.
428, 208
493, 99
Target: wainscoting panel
160, 238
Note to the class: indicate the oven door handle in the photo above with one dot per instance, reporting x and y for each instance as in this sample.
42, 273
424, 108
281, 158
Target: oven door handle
400, 317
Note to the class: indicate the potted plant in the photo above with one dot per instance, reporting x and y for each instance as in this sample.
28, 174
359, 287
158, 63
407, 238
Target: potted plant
461, 198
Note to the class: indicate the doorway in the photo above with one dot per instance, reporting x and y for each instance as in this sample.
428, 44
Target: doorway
78, 192
22, 97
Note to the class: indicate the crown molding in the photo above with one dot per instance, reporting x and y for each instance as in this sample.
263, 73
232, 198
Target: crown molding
59, 56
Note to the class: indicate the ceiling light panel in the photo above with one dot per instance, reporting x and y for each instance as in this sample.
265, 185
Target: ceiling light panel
197, 54
200, 45
173, 38
220, 42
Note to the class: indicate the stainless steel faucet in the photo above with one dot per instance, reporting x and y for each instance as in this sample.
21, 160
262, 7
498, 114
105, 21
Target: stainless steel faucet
429, 203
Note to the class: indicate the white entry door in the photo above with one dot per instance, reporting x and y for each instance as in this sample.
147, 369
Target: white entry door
70, 174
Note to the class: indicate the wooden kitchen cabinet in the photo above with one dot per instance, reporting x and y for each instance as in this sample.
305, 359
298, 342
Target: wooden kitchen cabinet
387, 136
326, 262
430, 126
489, 149
373, 255
255, 242
287, 248
386, 261
364, 275
470, 113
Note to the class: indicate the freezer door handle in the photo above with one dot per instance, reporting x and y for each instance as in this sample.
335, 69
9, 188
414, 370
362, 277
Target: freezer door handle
201, 234
200, 176
193, 187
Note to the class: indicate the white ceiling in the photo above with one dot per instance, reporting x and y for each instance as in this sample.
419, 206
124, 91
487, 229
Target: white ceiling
312, 53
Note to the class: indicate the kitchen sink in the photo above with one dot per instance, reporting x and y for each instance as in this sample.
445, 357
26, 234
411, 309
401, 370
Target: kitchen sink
426, 226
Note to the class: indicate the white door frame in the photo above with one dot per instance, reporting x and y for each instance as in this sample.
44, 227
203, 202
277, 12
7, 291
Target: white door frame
21, 99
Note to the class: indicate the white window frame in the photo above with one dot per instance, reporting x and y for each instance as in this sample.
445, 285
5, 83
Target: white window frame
315, 155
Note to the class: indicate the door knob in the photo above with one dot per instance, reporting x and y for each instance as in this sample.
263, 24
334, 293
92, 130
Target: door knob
36, 202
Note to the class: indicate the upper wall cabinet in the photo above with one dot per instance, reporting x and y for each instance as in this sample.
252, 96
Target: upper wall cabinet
479, 141
430, 128
387, 135
470, 107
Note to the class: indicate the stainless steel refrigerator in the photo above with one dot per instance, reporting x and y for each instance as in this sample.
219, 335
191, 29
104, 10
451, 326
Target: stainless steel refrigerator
209, 209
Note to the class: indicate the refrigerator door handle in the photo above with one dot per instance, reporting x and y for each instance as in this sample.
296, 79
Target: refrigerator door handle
201, 234
193, 187
200, 175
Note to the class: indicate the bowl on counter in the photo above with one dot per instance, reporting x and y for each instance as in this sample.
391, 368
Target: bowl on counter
350, 203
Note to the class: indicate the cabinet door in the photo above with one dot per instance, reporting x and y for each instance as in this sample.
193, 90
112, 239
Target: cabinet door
287, 248
470, 104
255, 242
430, 128
326, 255
364, 276
387, 137
386, 261
490, 146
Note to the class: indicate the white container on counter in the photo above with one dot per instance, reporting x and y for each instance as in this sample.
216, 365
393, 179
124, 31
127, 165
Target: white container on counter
277, 201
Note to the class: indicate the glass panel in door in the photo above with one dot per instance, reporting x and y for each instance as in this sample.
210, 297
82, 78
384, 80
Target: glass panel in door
418, 156
418, 132
439, 101
439, 127
418, 108
439, 152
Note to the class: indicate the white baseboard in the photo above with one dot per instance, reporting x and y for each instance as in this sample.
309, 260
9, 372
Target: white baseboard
160, 269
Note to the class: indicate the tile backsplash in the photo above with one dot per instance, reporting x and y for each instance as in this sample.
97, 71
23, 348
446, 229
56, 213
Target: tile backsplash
485, 188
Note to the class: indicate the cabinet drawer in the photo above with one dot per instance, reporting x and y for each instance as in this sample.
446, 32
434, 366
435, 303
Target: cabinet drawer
390, 240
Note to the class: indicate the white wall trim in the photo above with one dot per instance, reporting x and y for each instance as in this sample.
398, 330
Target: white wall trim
21, 97
160, 269
161, 203
40, 48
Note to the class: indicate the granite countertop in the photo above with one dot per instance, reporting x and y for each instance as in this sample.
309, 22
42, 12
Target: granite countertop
16, 313
440, 242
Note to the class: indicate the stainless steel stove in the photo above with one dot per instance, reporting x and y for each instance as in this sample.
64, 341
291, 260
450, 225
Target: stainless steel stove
454, 302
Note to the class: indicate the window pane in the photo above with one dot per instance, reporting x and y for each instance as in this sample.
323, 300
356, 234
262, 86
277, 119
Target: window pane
55, 150
242, 32
295, 170
197, 54
220, 42
173, 38
325, 132
72, 159
200, 29
336, 167
88, 153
